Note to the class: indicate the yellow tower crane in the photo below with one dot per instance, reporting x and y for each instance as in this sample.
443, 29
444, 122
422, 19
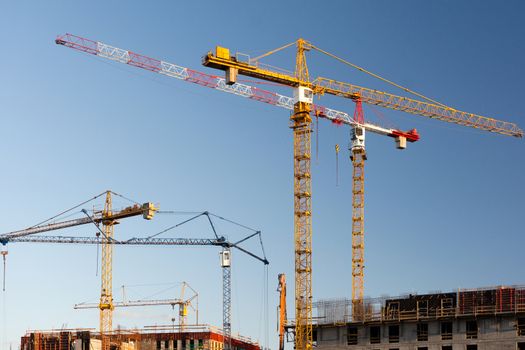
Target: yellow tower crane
303, 92
108, 218
181, 302
302, 105
301, 126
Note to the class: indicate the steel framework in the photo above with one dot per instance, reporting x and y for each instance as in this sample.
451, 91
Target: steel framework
219, 241
301, 122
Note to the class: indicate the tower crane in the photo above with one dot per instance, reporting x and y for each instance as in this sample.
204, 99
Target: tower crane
302, 106
221, 242
181, 302
108, 218
304, 90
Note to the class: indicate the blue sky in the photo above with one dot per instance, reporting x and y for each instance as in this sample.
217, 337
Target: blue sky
446, 213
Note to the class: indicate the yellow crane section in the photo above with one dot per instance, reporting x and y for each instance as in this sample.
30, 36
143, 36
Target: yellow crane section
233, 66
400, 103
301, 126
303, 99
108, 218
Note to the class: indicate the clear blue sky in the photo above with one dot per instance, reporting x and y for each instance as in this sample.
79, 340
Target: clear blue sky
446, 213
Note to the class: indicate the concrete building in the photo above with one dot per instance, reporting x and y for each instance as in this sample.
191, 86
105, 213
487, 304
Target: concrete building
151, 338
479, 319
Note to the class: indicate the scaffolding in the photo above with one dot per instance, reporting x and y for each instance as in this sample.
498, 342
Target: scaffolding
413, 307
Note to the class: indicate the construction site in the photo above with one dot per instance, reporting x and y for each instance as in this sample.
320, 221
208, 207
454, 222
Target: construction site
146, 339
488, 318
453, 222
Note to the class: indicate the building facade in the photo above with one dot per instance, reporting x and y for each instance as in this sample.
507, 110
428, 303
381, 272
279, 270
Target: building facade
154, 338
480, 319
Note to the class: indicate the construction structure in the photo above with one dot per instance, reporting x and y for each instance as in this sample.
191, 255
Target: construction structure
467, 319
107, 218
182, 303
301, 119
168, 337
281, 309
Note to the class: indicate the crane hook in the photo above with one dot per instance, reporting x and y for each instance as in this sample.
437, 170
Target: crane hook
337, 164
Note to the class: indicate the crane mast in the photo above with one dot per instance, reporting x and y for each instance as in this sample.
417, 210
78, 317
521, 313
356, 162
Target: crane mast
106, 287
301, 126
225, 255
358, 157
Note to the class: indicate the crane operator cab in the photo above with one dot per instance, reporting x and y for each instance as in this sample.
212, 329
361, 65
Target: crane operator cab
357, 140
303, 94
225, 258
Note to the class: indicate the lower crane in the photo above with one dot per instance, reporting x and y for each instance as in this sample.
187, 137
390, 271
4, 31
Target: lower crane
181, 302
108, 218
219, 241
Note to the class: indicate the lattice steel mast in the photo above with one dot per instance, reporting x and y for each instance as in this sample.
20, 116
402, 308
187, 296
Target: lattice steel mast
358, 157
106, 286
301, 126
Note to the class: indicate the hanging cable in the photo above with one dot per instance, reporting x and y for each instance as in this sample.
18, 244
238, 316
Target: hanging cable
337, 164
4, 254
266, 310
317, 139
98, 249
4, 319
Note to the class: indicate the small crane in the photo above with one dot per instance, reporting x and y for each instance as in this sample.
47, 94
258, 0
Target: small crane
181, 302
108, 218
220, 241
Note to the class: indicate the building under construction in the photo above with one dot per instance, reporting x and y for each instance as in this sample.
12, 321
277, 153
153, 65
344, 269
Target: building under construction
489, 318
149, 338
